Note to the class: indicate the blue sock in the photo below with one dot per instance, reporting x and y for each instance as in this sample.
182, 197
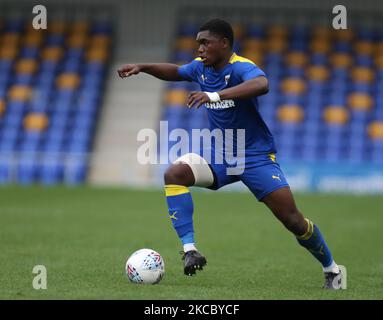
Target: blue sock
180, 205
313, 241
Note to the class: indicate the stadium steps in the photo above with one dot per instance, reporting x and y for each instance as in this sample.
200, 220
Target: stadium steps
129, 106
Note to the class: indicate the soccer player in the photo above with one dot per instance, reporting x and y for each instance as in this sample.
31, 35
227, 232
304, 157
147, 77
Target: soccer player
229, 86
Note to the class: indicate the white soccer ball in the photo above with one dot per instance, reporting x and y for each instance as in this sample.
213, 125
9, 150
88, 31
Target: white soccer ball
145, 266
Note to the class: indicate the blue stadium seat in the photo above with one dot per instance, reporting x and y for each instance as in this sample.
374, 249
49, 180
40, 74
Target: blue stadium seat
6, 168
10, 133
294, 72
59, 120
178, 85
363, 61
315, 86
3, 91
237, 47
28, 147
45, 79
274, 59
92, 82
75, 170
8, 146
71, 65
83, 123
333, 154
16, 106
337, 98
359, 116
5, 65
298, 45
94, 68
319, 59
80, 135
23, 79
309, 153
13, 119
377, 113
287, 153
65, 95
75, 54
366, 34
51, 170
14, 25
39, 105
29, 52
360, 87
185, 55
32, 135
291, 99
255, 31
4, 79
78, 146
101, 27
339, 73
342, 46
26, 169
48, 67
55, 40
188, 29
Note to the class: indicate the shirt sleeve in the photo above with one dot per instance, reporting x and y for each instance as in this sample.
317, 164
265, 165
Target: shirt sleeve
188, 71
250, 71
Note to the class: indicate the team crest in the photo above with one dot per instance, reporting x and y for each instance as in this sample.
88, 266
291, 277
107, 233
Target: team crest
227, 78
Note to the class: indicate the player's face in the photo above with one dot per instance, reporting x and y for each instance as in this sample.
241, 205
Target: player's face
211, 48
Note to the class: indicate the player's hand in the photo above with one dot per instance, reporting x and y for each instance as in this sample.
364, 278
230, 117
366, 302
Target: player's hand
196, 99
128, 70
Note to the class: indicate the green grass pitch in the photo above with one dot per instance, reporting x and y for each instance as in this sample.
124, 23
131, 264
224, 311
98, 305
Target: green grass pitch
84, 235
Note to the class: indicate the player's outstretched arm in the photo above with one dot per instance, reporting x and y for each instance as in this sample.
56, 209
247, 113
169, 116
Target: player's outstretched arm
248, 89
163, 71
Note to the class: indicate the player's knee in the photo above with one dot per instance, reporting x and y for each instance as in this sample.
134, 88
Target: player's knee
295, 222
179, 174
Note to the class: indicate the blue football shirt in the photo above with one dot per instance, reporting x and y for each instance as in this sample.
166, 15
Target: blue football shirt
236, 113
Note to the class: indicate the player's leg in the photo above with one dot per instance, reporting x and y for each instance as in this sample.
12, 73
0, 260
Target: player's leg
191, 170
188, 170
281, 203
267, 182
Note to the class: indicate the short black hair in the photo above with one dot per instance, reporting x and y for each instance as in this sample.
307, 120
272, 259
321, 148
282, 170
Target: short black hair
221, 28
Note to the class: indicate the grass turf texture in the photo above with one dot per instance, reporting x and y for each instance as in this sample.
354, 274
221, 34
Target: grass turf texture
84, 236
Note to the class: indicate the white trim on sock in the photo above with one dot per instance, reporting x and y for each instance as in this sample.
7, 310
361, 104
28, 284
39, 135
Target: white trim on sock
333, 267
189, 247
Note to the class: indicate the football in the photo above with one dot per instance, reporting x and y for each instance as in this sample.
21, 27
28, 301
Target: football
145, 266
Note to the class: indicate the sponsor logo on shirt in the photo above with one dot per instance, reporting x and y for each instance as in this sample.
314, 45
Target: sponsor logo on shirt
224, 104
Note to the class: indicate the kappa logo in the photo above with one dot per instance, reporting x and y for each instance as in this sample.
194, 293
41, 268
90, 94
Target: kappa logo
173, 215
319, 251
203, 78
